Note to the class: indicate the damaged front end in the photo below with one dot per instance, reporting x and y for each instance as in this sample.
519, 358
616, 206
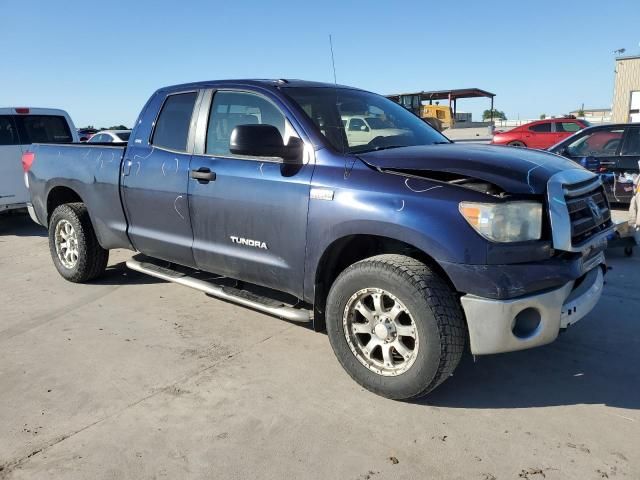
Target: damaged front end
531, 286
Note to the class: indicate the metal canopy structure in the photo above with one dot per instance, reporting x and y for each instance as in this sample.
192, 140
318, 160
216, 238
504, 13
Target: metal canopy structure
415, 99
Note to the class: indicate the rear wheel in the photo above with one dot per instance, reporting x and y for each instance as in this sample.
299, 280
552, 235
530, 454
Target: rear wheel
74, 248
395, 326
516, 143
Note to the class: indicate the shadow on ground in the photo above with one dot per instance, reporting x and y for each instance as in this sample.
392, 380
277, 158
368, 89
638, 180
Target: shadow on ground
119, 274
20, 225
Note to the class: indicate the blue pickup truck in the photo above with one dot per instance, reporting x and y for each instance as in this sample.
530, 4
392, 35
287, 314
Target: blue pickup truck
403, 246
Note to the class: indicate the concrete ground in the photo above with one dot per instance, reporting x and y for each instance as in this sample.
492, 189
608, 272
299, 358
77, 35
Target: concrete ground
130, 377
474, 135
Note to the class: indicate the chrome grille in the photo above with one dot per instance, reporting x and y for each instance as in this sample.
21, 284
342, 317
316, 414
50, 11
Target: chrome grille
589, 211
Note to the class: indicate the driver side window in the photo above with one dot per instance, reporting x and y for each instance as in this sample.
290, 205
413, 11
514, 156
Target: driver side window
230, 109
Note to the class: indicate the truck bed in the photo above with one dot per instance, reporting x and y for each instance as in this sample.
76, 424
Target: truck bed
93, 172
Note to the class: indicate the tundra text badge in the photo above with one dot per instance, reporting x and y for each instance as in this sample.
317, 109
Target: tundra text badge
249, 242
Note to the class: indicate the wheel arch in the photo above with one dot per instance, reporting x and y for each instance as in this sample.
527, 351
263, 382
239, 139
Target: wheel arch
349, 249
59, 195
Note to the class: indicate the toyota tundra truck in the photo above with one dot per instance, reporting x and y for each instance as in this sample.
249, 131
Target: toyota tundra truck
407, 249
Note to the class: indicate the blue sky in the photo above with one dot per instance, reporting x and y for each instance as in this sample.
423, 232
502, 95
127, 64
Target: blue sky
100, 61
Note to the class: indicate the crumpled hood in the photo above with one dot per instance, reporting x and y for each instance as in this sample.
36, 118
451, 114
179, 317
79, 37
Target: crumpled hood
515, 170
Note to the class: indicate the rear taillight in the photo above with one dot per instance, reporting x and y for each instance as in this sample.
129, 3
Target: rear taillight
27, 160
22, 110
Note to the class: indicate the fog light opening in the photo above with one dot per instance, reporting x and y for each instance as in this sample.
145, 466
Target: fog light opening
526, 322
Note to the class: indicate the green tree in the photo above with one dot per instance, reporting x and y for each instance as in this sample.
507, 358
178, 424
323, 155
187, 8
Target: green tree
497, 115
543, 116
580, 112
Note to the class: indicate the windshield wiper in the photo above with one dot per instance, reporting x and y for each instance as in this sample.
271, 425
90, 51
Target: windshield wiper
377, 149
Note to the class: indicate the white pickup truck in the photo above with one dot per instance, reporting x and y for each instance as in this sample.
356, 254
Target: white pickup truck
19, 128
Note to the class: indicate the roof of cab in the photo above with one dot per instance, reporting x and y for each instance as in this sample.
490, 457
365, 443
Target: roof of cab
274, 83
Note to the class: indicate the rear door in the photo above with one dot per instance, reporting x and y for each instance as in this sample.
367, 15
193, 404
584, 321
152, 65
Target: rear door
250, 218
155, 178
12, 187
539, 135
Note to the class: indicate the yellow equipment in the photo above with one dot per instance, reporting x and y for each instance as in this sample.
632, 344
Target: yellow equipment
442, 113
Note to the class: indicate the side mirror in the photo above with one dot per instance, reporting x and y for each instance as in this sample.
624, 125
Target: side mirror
264, 141
364, 128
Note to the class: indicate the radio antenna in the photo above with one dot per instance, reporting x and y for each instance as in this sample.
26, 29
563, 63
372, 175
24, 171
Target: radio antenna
333, 63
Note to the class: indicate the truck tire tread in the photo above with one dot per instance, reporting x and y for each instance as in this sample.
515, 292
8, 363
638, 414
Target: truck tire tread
93, 261
441, 300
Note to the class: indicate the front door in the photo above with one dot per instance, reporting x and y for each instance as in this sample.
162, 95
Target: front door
249, 215
155, 180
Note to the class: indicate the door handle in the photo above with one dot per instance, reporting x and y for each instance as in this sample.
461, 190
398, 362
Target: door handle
126, 167
203, 175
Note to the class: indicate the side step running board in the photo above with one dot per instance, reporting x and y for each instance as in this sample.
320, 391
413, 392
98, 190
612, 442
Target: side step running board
241, 297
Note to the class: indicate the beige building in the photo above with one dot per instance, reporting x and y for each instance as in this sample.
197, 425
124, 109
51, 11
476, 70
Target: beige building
626, 93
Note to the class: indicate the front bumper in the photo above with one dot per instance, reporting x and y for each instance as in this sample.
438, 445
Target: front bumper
497, 326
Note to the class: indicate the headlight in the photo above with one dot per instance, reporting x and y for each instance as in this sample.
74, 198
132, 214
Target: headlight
504, 222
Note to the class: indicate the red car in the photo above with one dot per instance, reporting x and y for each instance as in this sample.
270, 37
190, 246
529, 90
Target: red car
540, 134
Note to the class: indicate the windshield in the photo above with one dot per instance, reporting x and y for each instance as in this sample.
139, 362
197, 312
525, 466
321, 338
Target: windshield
388, 125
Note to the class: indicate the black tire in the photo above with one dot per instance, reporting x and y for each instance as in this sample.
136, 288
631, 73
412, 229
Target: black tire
92, 258
517, 143
435, 310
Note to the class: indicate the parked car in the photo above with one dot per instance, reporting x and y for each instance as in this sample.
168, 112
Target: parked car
111, 136
402, 248
20, 127
613, 151
85, 134
540, 134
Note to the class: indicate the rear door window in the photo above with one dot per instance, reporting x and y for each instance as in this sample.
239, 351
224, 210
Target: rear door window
172, 126
541, 127
8, 132
43, 129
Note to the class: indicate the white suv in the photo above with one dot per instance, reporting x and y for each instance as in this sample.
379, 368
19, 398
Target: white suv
20, 127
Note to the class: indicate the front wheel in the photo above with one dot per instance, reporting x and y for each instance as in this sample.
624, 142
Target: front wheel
74, 248
395, 326
516, 143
